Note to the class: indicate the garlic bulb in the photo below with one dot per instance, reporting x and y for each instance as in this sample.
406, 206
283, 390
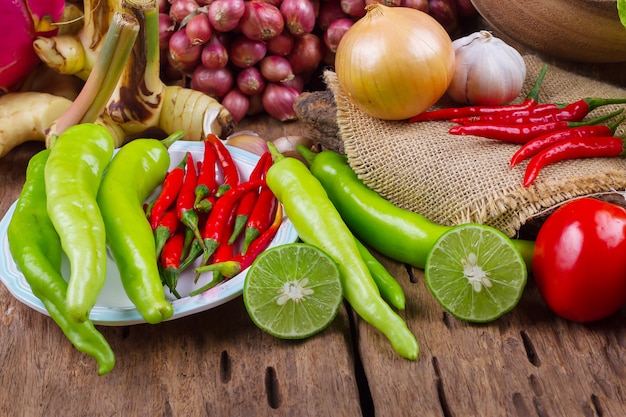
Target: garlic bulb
488, 70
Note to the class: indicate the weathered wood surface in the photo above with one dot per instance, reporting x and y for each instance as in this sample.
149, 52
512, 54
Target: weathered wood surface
217, 363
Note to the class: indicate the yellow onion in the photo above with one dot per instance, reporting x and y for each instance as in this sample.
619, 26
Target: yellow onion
395, 62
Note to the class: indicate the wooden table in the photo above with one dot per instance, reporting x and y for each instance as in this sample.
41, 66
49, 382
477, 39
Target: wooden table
217, 363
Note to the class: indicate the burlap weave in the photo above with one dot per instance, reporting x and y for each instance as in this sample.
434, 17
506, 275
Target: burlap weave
458, 179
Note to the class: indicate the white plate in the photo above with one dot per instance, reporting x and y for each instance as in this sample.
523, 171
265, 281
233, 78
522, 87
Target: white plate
113, 307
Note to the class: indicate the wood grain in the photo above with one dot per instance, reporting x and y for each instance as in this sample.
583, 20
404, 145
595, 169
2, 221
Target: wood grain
217, 363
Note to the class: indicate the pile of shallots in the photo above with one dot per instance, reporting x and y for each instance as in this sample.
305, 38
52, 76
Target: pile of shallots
256, 56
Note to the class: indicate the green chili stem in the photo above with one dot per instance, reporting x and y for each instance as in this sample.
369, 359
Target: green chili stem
533, 94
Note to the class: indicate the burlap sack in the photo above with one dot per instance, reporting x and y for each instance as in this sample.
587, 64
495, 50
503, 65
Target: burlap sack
458, 179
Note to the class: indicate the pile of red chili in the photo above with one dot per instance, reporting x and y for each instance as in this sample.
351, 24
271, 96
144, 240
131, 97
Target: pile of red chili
224, 224
548, 132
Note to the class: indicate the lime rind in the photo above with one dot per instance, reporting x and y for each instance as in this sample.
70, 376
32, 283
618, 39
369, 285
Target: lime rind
476, 273
293, 291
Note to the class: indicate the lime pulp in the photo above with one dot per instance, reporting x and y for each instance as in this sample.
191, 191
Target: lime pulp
476, 273
293, 291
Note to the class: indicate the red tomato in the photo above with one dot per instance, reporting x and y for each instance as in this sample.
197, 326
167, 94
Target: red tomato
579, 263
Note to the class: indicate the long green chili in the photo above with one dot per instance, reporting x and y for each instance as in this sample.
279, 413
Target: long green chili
36, 249
78, 158
133, 174
317, 222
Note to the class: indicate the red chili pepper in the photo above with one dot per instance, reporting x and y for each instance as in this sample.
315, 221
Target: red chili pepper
207, 183
587, 147
186, 198
508, 117
522, 133
170, 261
166, 228
172, 185
241, 261
456, 112
246, 205
227, 165
224, 252
215, 228
535, 145
261, 216
573, 112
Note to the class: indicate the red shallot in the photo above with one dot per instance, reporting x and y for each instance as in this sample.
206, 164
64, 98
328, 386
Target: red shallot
237, 103
299, 16
245, 52
180, 9
335, 31
224, 15
329, 11
276, 69
278, 101
354, 8
280, 44
166, 28
214, 82
306, 54
214, 54
250, 81
198, 29
182, 55
261, 21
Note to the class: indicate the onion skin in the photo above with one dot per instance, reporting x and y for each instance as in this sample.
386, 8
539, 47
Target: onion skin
166, 28
261, 21
306, 53
214, 54
199, 29
22, 22
354, 8
446, 13
281, 44
216, 83
245, 52
237, 103
276, 69
250, 81
180, 9
330, 11
299, 16
417, 4
394, 80
224, 15
335, 31
278, 101
182, 54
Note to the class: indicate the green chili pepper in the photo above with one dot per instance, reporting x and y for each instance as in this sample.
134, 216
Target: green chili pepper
36, 248
73, 173
317, 222
389, 288
399, 234
133, 174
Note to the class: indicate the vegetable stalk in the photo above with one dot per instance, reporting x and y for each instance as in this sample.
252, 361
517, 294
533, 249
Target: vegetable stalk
104, 77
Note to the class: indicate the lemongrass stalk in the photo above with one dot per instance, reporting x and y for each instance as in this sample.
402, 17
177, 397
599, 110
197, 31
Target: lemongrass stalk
135, 106
104, 77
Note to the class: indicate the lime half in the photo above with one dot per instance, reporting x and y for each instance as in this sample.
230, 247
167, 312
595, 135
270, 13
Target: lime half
476, 273
293, 291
